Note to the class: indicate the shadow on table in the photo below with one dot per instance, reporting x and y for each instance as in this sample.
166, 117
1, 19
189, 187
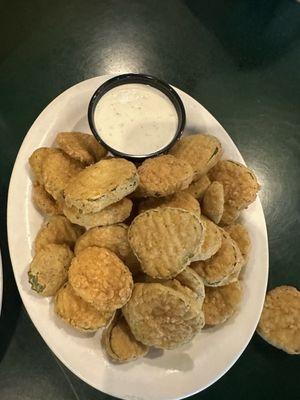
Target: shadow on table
255, 33
11, 303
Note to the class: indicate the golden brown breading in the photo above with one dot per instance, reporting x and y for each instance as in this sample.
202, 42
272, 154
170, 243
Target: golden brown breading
230, 215
213, 202
57, 229
81, 146
44, 202
162, 176
178, 200
221, 302
201, 151
279, 323
189, 278
239, 183
113, 238
198, 187
212, 240
101, 185
57, 170
241, 236
49, 269
37, 159
113, 214
161, 316
223, 267
78, 313
186, 267
99, 277
165, 240
119, 342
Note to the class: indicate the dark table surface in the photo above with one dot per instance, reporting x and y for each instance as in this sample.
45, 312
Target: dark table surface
240, 59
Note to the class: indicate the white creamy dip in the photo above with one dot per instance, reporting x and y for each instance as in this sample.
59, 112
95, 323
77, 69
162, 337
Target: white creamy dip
136, 119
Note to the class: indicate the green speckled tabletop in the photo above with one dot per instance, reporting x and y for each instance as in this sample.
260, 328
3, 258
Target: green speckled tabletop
240, 59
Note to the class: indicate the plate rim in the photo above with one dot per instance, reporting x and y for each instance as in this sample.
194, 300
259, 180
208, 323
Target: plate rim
20, 289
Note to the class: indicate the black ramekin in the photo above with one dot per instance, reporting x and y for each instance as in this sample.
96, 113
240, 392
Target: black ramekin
143, 79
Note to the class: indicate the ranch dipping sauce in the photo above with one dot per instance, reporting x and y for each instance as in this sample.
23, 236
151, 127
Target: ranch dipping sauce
136, 119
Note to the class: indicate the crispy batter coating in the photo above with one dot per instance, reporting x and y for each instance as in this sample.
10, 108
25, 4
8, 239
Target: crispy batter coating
198, 187
202, 152
279, 323
161, 316
48, 270
37, 159
183, 288
57, 170
221, 302
119, 342
57, 229
186, 267
178, 200
239, 182
113, 214
165, 240
230, 215
44, 202
223, 267
78, 313
241, 236
213, 202
99, 277
193, 281
163, 175
80, 146
212, 240
101, 185
113, 238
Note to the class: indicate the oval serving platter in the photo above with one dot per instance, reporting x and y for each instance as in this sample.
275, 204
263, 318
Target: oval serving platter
161, 375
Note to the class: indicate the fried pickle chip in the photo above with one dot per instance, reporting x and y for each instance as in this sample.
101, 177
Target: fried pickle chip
49, 269
113, 238
57, 170
37, 159
193, 281
241, 236
59, 230
202, 152
78, 313
198, 188
211, 242
213, 202
165, 240
113, 214
279, 323
183, 287
161, 316
230, 215
223, 267
119, 342
162, 176
239, 183
101, 185
178, 200
80, 146
100, 278
221, 302
44, 202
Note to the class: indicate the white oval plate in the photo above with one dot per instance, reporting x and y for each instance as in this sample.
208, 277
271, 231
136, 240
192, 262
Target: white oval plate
169, 375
